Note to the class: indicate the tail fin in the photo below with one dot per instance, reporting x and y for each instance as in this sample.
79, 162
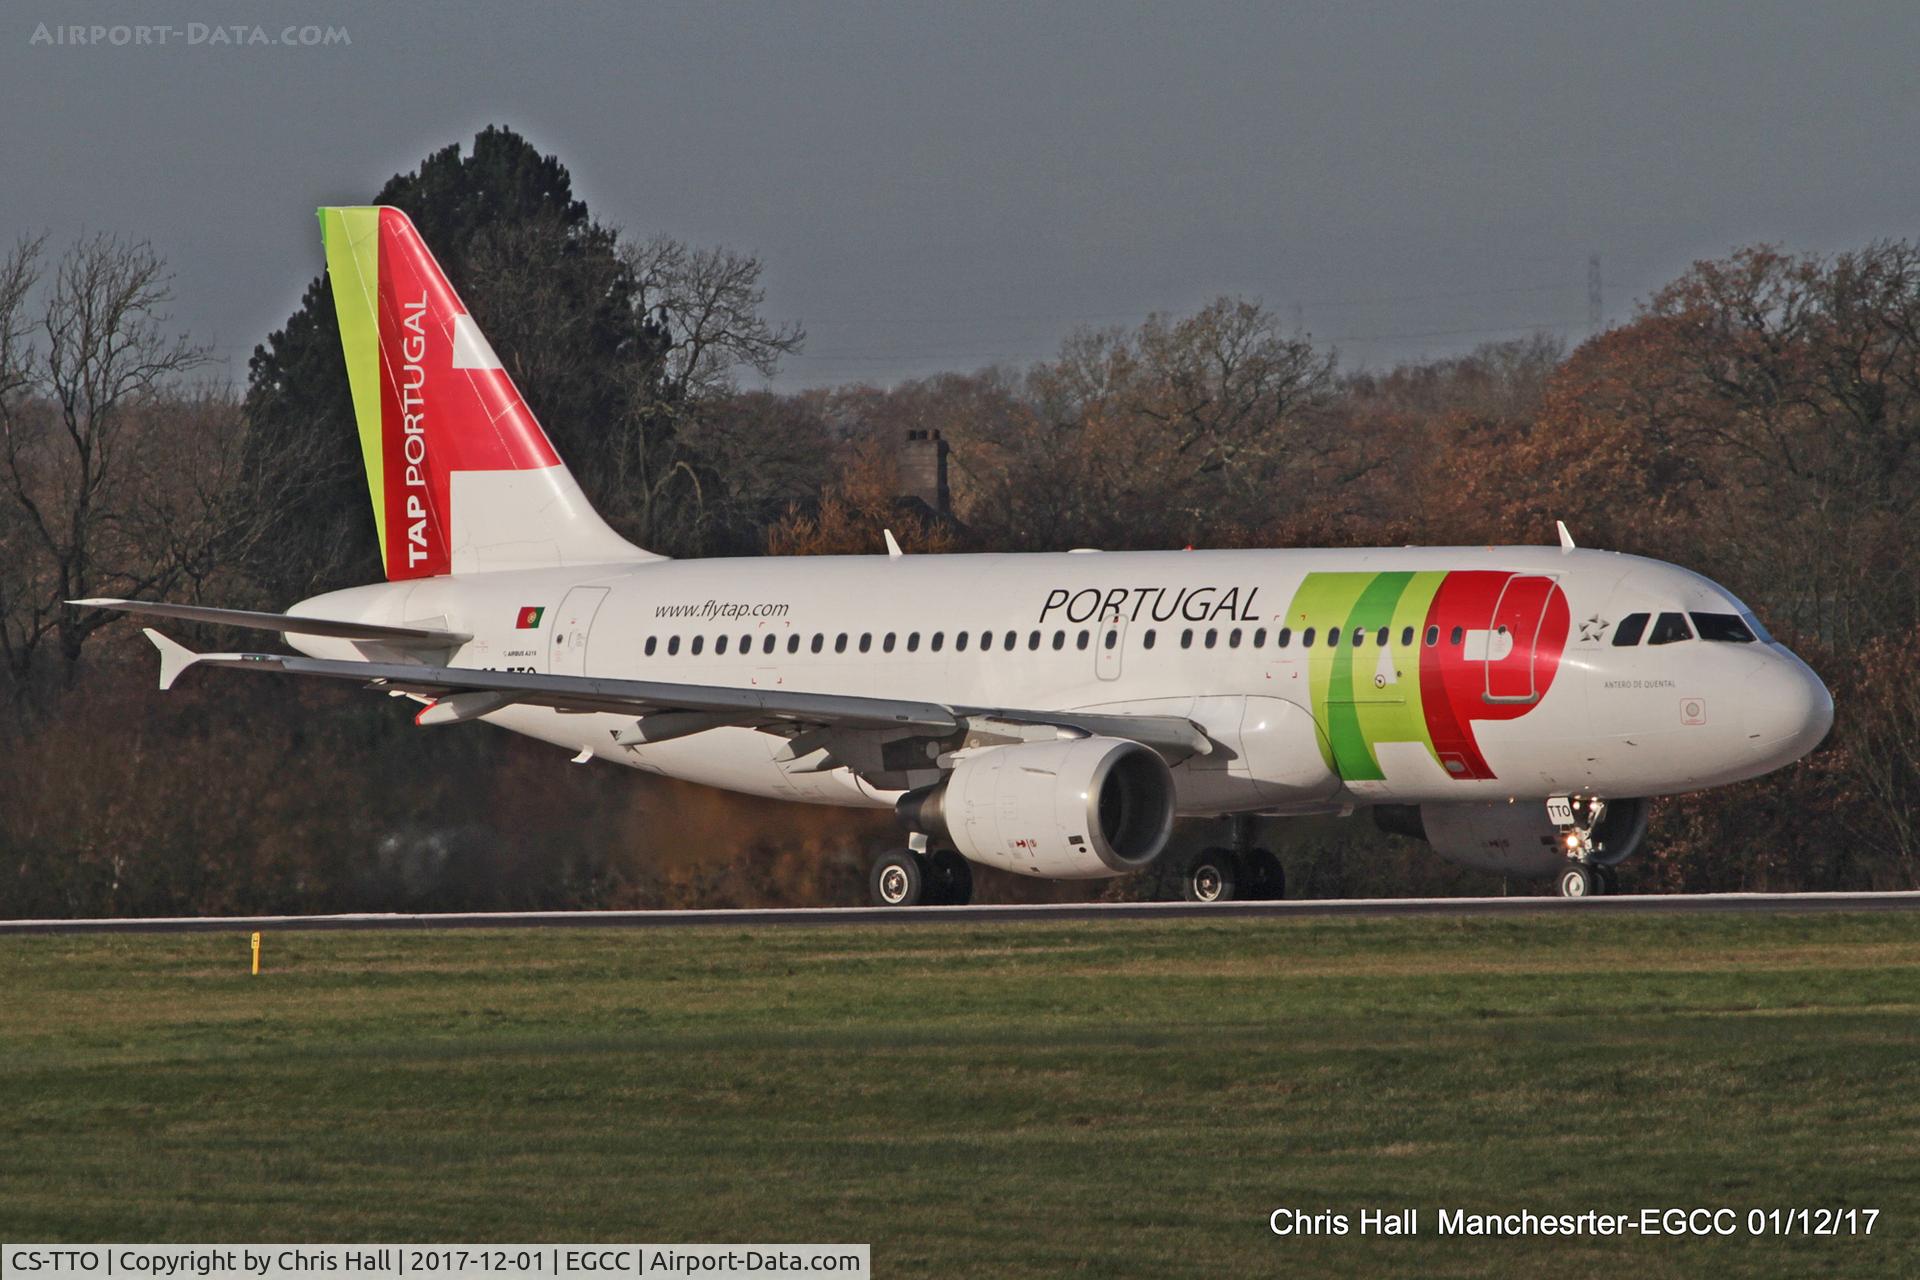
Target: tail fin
463, 479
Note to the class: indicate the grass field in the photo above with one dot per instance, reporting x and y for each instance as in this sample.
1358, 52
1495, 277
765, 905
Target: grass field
1095, 1099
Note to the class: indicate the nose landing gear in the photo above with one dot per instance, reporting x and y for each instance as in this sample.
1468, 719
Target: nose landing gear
1577, 818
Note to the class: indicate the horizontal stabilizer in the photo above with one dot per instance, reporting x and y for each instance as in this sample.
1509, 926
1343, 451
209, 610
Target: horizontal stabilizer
423, 637
174, 657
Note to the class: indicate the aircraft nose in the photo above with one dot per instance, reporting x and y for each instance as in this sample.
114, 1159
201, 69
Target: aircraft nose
1788, 711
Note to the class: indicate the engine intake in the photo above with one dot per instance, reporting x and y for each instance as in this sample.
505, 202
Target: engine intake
1076, 809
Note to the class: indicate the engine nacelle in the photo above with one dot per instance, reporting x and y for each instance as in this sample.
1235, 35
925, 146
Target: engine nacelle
1512, 839
1075, 809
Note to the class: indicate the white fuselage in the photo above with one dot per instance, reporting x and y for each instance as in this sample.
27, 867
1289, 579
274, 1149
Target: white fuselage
1193, 634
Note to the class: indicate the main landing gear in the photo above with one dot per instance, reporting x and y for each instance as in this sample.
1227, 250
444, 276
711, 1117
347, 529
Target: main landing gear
918, 877
1576, 817
1242, 873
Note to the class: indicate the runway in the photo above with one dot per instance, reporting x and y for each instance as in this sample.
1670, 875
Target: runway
842, 917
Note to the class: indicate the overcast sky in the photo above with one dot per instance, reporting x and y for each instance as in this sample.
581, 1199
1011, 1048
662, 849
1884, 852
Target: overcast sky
949, 185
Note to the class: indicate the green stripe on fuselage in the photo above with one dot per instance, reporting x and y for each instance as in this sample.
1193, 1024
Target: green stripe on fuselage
1355, 712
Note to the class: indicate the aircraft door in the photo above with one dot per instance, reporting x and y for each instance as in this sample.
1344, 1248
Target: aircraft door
1109, 643
571, 629
1511, 655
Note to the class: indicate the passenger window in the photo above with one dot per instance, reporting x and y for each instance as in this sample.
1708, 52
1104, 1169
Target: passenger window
1306, 638
651, 643
1406, 637
698, 641
818, 642
1259, 637
1670, 629
1007, 641
673, 645
986, 641
1359, 636
1033, 640
1433, 636
1113, 638
1722, 626
1233, 638
1456, 637
960, 642
866, 641
840, 643
746, 644
1059, 640
1212, 635
793, 643
1146, 641
1381, 639
1284, 637
1186, 638
939, 641
1333, 637
768, 646
1631, 628
886, 645
913, 641
720, 645
1080, 642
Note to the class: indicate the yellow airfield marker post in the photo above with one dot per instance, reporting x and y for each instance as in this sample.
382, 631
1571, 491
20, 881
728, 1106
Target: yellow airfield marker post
256, 954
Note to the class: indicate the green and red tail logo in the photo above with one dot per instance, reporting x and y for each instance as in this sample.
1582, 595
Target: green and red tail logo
430, 395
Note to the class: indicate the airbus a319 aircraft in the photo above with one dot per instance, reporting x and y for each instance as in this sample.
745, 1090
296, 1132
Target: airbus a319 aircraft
1047, 714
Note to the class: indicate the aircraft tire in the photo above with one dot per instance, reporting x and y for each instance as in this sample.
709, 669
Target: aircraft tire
1577, 880
1261, 877
949, 879
1209, 876
1609, 879
899, 879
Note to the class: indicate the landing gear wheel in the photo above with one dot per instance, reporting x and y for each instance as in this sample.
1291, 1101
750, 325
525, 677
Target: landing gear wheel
1262, 878
899, 879
1209, 876
949, 879
1578, 881
1609, 879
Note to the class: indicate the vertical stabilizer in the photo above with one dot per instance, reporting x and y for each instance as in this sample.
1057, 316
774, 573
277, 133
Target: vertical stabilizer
462, 477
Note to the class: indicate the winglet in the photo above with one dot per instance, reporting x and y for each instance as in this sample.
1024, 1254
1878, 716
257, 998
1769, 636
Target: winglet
1566, 539
174, 656
893, 545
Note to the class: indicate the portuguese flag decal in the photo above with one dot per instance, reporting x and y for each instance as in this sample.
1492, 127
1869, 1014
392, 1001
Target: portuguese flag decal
529, 617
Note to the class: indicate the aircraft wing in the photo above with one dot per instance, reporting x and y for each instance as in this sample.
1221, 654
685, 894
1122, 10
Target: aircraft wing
286, 622
665, 709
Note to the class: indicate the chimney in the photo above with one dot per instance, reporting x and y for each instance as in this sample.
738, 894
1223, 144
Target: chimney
923, 469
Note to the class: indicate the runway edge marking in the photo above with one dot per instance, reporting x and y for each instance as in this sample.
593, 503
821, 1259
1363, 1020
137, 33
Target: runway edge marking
831, 917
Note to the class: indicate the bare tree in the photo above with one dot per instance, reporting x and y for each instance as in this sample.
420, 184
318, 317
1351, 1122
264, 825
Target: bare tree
77, 379
704, 310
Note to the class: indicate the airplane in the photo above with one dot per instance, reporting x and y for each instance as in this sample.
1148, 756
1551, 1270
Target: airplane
1046, 714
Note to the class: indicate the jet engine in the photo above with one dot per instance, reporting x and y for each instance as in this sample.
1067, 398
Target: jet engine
1513, 839
1075, 809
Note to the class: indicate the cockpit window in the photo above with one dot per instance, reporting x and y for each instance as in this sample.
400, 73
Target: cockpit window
1670, 629
1631, 628
1722, 626
1754, 625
